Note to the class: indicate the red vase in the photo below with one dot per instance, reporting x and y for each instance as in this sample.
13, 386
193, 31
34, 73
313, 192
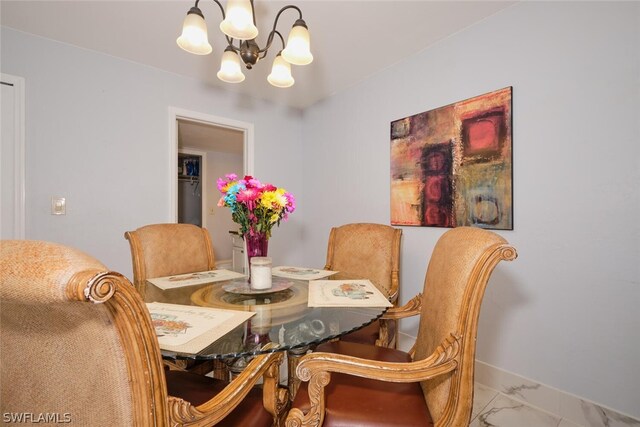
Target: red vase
257, 245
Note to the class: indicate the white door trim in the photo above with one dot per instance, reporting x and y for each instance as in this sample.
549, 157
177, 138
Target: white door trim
194, 116
19, 153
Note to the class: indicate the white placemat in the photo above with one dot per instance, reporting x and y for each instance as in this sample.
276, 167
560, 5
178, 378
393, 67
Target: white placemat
190, 279
189, 329
345, 293
301, 273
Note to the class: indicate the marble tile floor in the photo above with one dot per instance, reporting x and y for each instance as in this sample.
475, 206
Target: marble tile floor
495, 409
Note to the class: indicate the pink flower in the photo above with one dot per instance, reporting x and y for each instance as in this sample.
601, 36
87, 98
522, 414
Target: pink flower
221, 184
248, 197
254, 183
221, 202
291, 202
231, 176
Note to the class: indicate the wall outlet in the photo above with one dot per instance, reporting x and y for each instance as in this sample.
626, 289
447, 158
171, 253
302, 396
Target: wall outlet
58, 206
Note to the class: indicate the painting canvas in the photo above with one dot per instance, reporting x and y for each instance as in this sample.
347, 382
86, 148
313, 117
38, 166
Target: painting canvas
452, 166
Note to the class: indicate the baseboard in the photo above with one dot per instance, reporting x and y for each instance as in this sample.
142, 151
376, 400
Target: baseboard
557, 402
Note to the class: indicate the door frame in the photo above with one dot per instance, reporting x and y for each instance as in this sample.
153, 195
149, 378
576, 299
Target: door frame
194, 116
19, 192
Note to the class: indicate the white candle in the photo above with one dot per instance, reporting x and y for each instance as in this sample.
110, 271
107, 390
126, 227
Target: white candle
260, 273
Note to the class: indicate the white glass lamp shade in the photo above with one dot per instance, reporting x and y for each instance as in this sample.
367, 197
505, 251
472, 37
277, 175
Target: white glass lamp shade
297, 51
238, 21
280, 73
230, 70
194, 35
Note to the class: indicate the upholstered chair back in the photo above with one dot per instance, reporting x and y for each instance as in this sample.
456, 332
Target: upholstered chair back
63, 351
161, 250
458, 271
369, 250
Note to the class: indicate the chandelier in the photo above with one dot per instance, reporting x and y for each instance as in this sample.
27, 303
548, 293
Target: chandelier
239, 22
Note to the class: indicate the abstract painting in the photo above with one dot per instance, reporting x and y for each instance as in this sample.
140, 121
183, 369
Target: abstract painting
452, 166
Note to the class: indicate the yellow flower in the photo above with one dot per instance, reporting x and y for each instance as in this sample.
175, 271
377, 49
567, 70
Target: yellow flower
274, 199
274, 218
227, 186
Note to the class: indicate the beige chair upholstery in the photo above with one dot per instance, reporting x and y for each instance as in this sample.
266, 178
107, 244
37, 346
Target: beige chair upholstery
78, 345
364, 385
371, 251
161, 250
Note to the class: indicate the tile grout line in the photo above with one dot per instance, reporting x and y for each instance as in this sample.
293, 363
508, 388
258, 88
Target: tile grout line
485, 406
527, 404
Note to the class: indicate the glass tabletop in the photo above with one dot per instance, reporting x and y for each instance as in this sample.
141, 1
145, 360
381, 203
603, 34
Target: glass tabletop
282, 317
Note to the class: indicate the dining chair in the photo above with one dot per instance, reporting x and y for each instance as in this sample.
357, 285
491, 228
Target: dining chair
354, 384
93, 355
161, 250
371, 251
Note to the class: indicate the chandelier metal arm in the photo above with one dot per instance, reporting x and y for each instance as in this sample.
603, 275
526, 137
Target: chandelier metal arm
253, 11
275, 24
264, 52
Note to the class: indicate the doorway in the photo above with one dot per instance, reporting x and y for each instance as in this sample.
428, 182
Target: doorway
12, 154
205, 148
192, 168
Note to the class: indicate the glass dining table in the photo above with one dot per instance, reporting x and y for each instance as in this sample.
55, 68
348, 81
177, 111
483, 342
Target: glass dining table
282, 317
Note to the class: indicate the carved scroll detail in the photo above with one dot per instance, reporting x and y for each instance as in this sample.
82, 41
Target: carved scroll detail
411, 308
508, 253
101, 287
315, 416
447, 350
181, 411
95, 285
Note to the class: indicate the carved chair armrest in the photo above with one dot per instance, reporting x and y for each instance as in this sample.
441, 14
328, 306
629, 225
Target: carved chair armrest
411, 308
214, 410
317, 367
442, 360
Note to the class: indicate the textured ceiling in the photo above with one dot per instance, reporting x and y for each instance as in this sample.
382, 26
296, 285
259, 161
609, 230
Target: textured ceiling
350, 40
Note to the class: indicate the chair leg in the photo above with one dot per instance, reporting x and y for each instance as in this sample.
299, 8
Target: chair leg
293, 359
385, 338
217, 368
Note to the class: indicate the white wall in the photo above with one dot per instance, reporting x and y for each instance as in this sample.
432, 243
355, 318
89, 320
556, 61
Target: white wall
566, 312
97, 134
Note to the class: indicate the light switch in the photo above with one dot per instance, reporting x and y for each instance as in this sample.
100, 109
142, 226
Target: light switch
58, 206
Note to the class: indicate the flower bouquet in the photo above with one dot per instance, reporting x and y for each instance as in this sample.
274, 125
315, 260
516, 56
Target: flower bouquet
256, 207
